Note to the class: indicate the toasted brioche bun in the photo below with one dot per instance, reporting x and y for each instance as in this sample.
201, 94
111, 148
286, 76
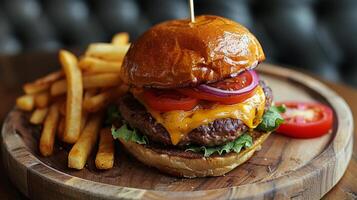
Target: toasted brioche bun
191, 167
179, 53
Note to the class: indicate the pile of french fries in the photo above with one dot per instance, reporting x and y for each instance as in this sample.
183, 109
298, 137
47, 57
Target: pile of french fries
69, 104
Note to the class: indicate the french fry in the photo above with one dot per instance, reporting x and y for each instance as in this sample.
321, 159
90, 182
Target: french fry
26, 102
62, 124
107, 51
84, 117
74, 96
95, 65
87, 94
101, 80
59, 88
80, 151
42, 84
105, 155
42, 100
49, 130
89, 82
38, 116
35, 88
100, 101
60, 129
120, 39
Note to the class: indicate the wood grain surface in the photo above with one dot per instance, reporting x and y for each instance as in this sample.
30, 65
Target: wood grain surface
16, 70
283, 168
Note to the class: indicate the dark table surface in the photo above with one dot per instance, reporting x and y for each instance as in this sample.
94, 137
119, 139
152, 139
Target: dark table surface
16, 70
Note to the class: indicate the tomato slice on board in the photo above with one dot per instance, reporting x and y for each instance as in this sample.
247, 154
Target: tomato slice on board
306, 120
231, 84
168, 100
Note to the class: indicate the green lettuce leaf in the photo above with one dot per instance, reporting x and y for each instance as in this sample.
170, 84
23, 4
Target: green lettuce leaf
237, 145
128, 135
272, 119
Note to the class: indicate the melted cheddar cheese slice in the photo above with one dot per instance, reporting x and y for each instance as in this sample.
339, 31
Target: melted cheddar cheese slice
179, 123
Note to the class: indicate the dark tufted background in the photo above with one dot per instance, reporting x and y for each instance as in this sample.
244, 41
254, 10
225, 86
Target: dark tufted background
317, 35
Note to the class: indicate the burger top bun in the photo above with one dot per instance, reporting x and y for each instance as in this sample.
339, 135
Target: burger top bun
180, 53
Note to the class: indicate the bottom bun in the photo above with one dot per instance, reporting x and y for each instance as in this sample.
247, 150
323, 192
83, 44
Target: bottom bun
192, 166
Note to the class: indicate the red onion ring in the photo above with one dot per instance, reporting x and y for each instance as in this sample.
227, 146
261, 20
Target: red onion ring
225, 93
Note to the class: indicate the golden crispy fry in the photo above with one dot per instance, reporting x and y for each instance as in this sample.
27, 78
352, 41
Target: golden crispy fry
34, 88
38, 116
89, 82
74, 96
62, 124
95, 65
26, 102
101, 80
43, 83
105, 154
60, 129
107, 51
87, 94
49, 130
58, 88
82, 148
100, 101
42, 100
120, 39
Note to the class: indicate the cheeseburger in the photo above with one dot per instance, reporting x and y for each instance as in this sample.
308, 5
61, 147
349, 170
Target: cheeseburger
196, 106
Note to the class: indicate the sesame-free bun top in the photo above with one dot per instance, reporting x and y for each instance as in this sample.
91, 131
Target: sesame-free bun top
179, 53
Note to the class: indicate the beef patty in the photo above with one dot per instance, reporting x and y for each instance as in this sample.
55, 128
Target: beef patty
218, 132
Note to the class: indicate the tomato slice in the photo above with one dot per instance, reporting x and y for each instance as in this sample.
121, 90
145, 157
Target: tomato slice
306, 120
168, 100
236, 83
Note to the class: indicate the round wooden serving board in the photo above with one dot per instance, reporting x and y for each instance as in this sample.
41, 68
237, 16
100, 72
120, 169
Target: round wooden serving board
284, 168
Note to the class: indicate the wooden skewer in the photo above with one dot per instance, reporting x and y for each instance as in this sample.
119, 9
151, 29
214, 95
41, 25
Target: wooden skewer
192, 11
